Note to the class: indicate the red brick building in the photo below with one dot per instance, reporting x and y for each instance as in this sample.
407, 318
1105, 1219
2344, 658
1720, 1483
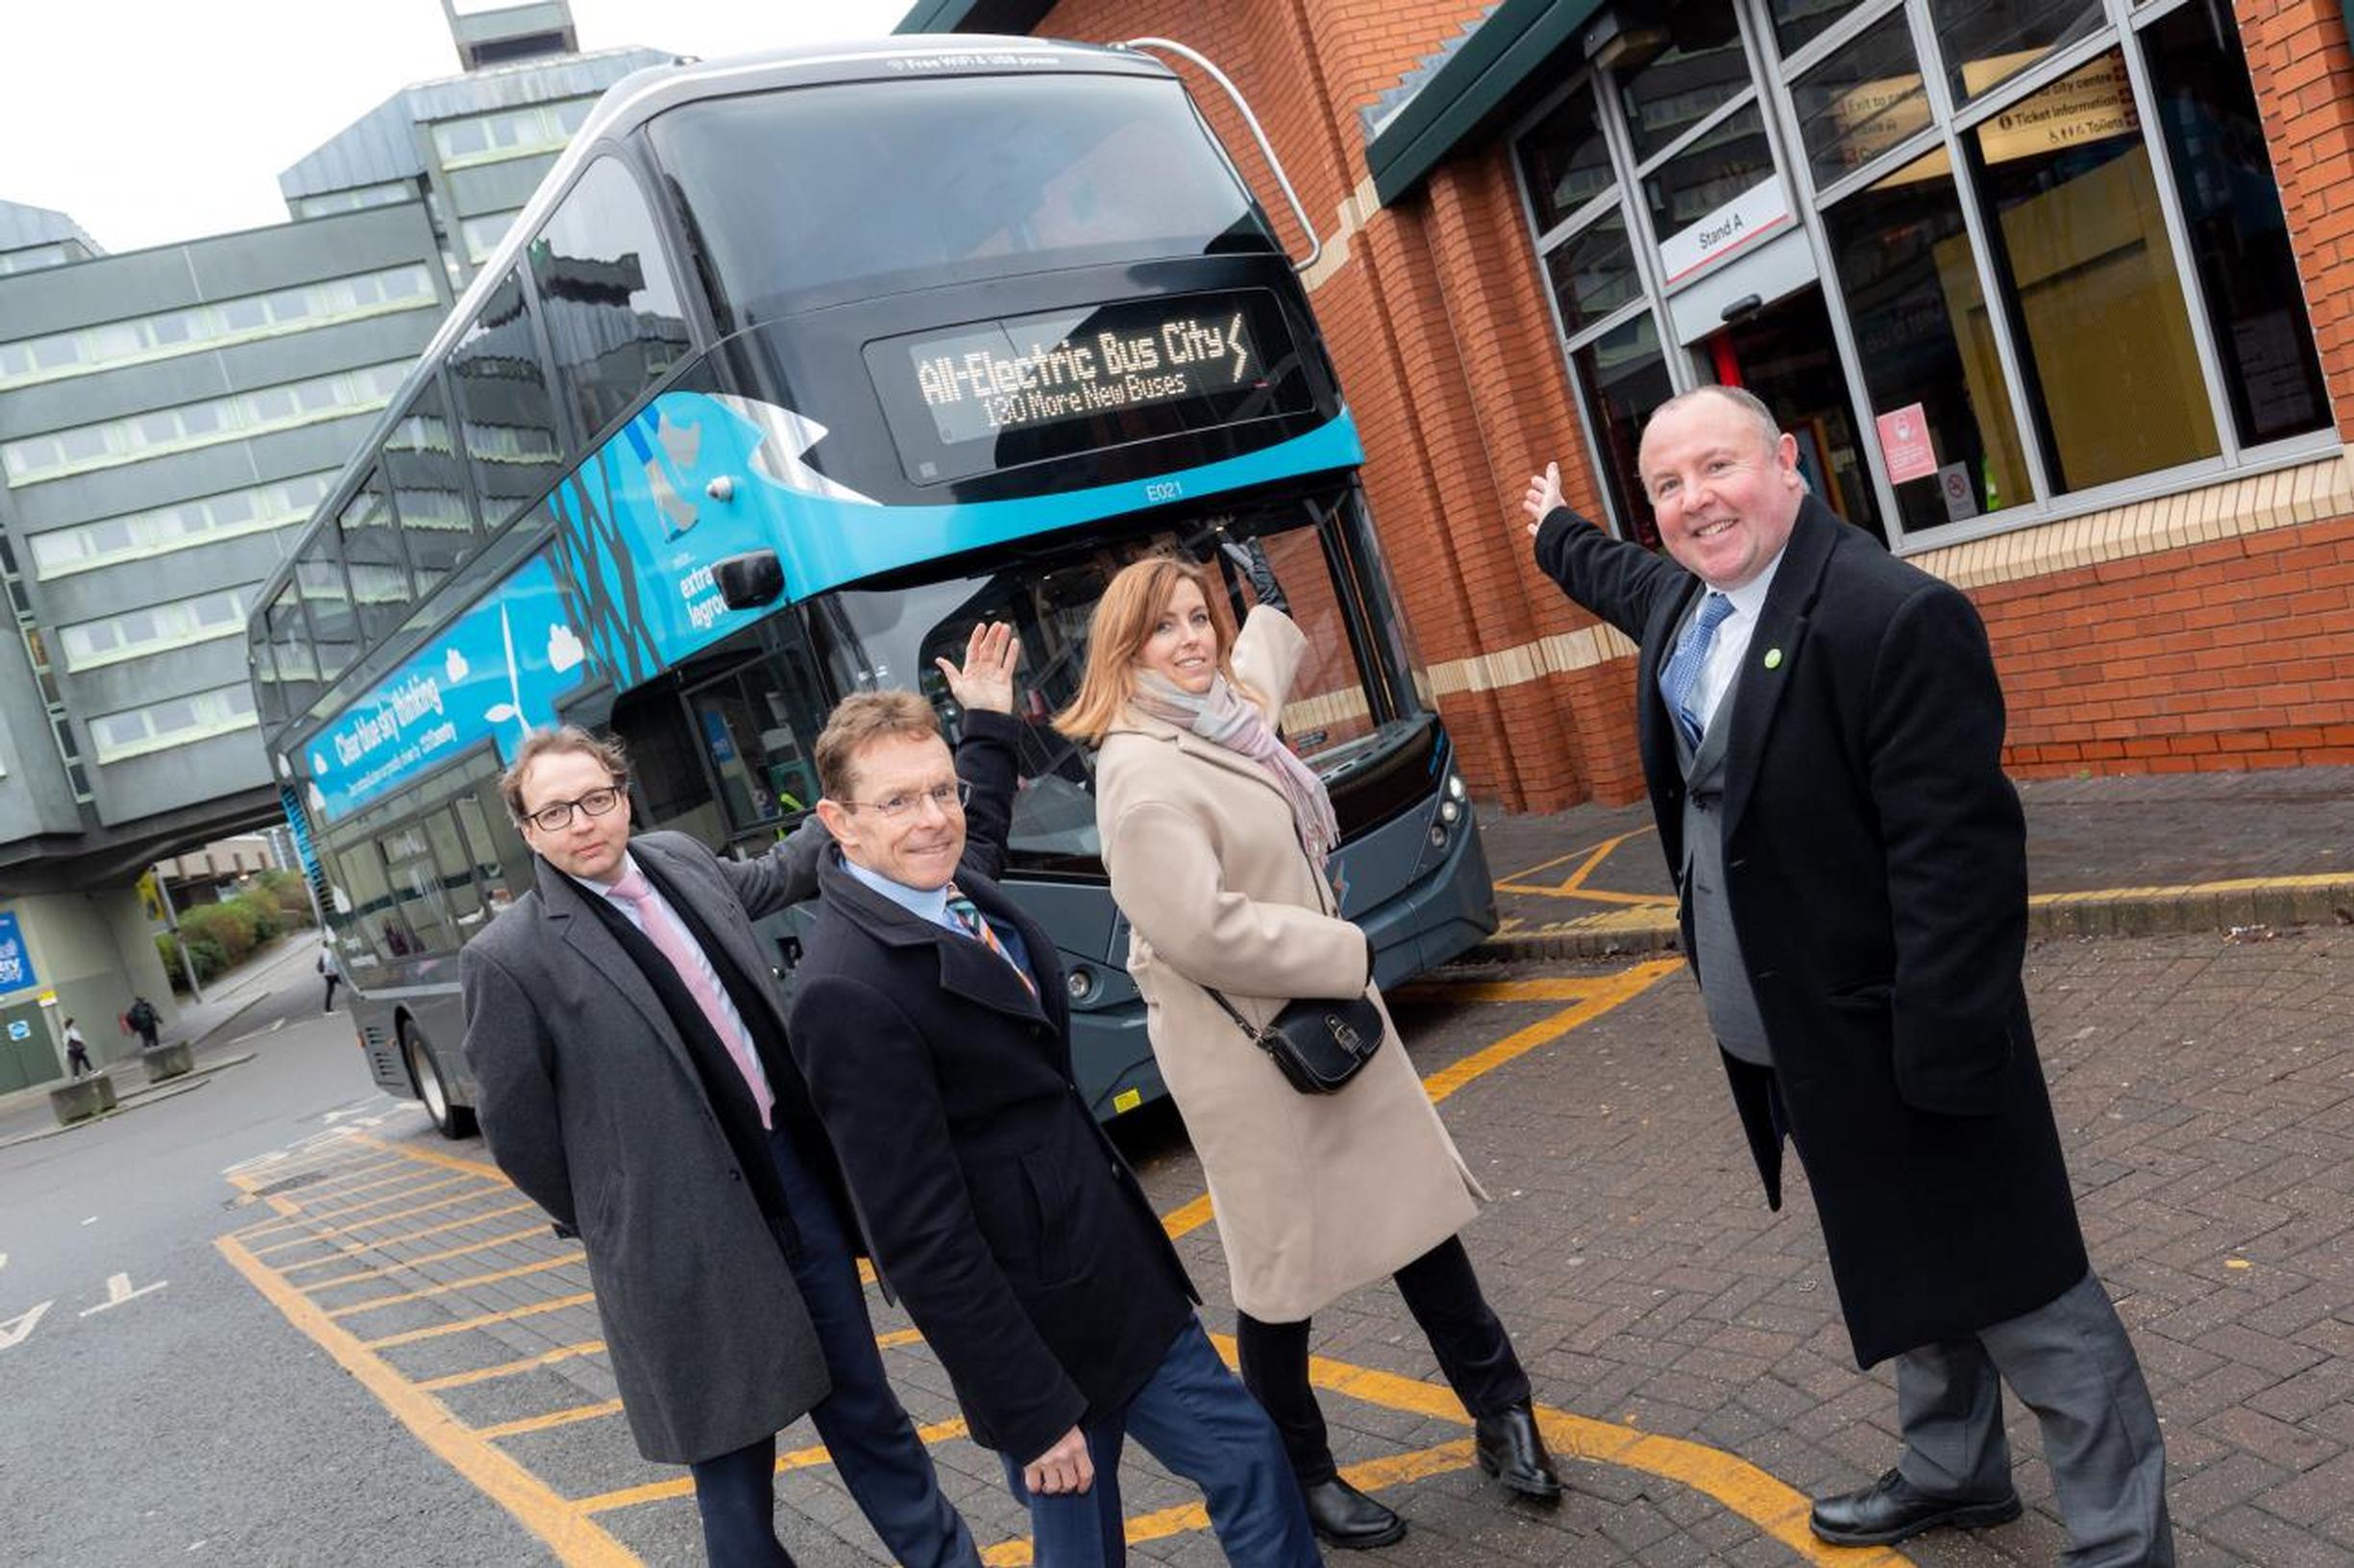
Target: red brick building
2057, 295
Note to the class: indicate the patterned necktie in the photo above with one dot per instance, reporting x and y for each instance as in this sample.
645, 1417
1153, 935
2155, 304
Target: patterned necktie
668, 933
976, 926
1681, 677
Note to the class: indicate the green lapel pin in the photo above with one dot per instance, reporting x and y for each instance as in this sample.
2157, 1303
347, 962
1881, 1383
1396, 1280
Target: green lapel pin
1774, 658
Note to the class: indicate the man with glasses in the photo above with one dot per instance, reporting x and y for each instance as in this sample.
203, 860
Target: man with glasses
632, 1078
931, 1019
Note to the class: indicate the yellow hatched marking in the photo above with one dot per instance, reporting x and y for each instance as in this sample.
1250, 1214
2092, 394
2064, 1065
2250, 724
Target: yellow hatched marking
308, 1195
509, 1369
1589, 859
380, 1219
431, 1156
1368, 1476
415, 1188
576, 1539
896, 1337
1602, 997
462, 1324
554, 1418
800, 1458
374, 1302
350, 1249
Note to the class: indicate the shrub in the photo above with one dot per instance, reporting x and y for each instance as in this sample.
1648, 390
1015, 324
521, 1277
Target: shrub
167, 948
209, 958
268, 921
286, 891
230, 927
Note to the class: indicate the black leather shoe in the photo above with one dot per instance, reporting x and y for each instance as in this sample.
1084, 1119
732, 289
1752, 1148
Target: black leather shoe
1890, 1509
1348, 1518
1513, 1451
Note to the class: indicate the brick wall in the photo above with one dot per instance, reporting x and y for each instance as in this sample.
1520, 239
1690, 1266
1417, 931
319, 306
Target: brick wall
2236, 653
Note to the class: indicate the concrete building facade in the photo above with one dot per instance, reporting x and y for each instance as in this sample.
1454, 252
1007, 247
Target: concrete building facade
170, 420
2055, 296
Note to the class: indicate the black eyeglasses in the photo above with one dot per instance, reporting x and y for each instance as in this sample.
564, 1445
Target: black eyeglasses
898, 807
557, 815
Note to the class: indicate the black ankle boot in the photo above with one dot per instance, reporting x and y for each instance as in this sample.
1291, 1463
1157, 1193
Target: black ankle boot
1348, 1518
1512, 1450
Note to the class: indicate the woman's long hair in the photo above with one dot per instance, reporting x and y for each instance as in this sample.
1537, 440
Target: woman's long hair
1133, 603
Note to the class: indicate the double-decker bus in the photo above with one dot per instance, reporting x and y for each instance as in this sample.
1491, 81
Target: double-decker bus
926, 333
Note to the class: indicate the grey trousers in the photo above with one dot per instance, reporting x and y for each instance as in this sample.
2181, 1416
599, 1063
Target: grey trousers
2070, 1364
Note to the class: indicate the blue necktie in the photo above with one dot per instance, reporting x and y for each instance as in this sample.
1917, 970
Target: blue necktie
1681, 677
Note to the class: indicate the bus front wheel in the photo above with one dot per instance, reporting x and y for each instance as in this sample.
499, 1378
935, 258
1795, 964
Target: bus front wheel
450, 1119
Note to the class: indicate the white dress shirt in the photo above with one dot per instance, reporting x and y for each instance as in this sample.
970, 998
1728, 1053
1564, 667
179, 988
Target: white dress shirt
1723, 665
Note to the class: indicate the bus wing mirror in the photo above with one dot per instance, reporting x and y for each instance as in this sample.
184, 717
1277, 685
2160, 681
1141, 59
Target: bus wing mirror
750, 581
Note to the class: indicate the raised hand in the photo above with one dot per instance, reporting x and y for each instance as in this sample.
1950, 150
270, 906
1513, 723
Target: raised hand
986, 678
1543, 496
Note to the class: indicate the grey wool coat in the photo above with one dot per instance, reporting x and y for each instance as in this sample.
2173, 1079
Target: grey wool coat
1315, 1195
592, 1106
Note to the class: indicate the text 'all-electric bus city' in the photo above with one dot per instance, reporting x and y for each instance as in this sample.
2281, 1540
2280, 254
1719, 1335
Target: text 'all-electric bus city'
954, 332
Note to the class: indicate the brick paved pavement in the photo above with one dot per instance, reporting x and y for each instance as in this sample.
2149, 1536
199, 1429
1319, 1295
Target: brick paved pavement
2205, 1089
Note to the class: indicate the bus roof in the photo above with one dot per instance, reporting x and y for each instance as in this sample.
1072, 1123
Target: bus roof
642, 95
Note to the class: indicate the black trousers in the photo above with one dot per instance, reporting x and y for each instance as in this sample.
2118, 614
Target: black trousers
1443, 1293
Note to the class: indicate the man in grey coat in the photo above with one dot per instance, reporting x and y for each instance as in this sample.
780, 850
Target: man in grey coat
634, 1080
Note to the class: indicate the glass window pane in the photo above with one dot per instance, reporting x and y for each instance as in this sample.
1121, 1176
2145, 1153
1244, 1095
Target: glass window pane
2087, 266
428, 478
614, 321
1795, 22
318, 576
1564, 159
1862, 101
503, 406
1623, 378
1695, 66
1986, 42
243, 315
1922, 338
1729, 160
459, 896
1593, 272
2238, 236
378, 571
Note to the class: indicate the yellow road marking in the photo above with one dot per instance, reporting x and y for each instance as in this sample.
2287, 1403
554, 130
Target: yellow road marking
413, 1189
431, 1156
1604, 995
800, 1458
554, 1418
439, 1331
576, 1540
312, 1194
382, 1219
374, 1302
509, 1369
1574, 885
896, 1337
1779, 1509
351, 1249
1368, 1476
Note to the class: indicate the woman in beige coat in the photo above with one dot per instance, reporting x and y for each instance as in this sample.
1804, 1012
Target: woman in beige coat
1216, 835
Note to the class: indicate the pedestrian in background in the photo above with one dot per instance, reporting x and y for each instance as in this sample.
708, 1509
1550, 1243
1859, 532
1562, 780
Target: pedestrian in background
1216, 838
143, 1021
331, 972
1821, 728
77, 1051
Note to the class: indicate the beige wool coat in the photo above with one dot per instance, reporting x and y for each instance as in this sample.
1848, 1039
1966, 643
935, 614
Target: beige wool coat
1315, 1195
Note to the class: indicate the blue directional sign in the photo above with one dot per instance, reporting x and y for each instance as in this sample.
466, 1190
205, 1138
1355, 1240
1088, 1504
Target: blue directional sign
16, 961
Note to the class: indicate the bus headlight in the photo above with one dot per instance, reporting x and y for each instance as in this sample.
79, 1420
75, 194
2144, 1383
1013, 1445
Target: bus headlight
1080, 982
1450, 810
1456, 790
1438, 835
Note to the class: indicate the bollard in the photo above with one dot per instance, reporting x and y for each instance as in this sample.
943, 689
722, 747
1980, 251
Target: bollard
82, 1098
166, 1062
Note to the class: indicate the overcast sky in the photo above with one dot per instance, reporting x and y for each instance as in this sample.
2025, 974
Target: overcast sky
150, 121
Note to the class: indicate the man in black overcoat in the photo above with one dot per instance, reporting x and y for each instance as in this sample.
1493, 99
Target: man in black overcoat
628, 1041
1820, 729
931, 1021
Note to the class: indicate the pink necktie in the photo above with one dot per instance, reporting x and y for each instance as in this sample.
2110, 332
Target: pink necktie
677, 945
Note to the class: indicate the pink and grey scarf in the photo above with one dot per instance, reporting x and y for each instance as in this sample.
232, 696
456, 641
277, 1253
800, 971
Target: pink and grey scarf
1224, 717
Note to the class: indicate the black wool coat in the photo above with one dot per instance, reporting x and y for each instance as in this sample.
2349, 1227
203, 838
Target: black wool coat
1876, 869
1010, 1226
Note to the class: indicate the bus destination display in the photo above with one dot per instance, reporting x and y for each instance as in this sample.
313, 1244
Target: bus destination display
979, 381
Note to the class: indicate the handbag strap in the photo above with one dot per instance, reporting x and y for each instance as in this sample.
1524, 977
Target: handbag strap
1241, 1022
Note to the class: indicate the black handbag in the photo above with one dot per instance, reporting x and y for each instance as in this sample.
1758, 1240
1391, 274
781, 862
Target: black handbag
1319, 1046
